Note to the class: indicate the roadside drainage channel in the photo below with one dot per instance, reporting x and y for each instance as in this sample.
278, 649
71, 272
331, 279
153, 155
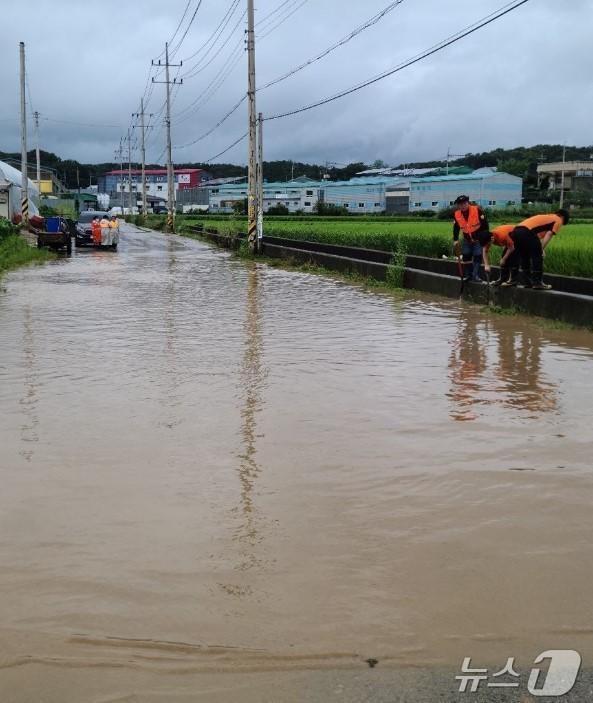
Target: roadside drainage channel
434, 276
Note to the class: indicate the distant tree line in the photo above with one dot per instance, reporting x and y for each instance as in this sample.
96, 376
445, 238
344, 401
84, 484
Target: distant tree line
521, 161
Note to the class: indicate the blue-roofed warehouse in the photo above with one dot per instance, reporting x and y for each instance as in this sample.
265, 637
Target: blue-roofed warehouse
486, 187
359, 195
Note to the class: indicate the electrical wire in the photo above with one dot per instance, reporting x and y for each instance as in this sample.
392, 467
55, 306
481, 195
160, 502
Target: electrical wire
212, 87
354, 33
369, 23
224, 151
28, 90
203, 66
81, 124
280, 6
270, 30
229, 13
416, 59
193, 17
216, 126
180, 22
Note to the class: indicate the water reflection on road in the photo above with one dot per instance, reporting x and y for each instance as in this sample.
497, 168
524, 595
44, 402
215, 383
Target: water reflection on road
499, 363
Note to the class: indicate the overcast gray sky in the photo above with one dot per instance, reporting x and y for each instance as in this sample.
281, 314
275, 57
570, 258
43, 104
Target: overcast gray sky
523, 80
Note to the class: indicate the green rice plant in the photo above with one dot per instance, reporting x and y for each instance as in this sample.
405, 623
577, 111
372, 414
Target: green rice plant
570, 253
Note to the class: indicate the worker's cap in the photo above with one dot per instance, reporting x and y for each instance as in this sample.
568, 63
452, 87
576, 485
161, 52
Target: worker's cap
461, 199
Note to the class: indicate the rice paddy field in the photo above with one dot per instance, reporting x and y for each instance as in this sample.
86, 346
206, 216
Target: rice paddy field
570, 253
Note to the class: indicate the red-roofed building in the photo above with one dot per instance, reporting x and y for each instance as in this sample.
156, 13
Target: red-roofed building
114, 182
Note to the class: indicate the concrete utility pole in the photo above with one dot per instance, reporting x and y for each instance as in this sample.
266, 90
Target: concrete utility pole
130, 171
260, 179
170, 170
562, 176
119, 154
143, 129
25, 178
252, 176
37, 155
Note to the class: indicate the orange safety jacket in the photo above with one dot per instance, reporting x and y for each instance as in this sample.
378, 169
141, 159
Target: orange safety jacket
470, 225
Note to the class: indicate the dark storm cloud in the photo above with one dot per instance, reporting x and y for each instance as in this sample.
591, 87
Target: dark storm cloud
519, 81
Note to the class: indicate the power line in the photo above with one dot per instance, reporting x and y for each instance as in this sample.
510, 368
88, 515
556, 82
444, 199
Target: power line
224, 151
280, 6
282, 21
212, 87
180, 22
369, 23
216, 126
433, 50
193, 17
28, 90
355, 32
204, 66
231, 10
82, 124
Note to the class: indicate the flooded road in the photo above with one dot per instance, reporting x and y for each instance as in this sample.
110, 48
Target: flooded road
210, 466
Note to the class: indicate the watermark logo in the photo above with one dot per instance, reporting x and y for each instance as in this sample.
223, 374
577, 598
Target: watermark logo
557, 680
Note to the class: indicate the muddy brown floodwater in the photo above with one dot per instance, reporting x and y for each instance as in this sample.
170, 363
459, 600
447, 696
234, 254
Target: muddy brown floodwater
211, 467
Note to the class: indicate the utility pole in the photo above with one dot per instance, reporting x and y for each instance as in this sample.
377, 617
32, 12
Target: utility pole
252, 176
25, 178
170, 170
260, 179
77, 208
143, 128
37, 155
119, 155
562, 176
449, 156
130, 171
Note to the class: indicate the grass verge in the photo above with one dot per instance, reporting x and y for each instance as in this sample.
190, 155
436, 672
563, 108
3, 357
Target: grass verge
15, 252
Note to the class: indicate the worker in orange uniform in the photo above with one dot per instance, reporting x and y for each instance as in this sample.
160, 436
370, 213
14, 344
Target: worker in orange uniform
96, 231
114, 231
105, 231
469, 219
501, 237
531, 237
